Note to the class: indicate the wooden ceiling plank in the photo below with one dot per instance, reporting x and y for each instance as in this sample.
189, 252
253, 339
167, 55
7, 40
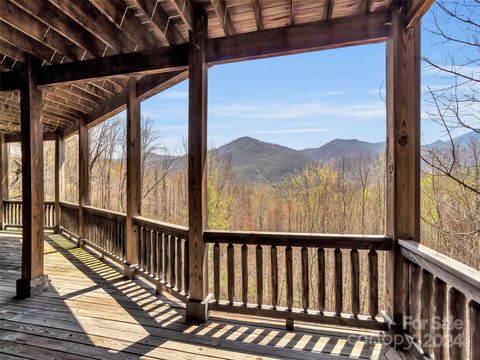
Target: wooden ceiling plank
65, 102
124, 19
12, 51
28, 44
257, 11
184, 10
30, 26
95, 22
64, 25
159, 18
223, 16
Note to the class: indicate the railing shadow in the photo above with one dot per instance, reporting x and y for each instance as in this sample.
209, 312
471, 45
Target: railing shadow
126, 317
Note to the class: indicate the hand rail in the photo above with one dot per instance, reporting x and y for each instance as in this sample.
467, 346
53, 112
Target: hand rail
333, 241
107, 214
453, 272
69, 205
162, 227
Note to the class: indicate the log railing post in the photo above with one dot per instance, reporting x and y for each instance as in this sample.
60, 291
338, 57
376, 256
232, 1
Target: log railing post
59, 177
3, 177
33, 279
83, 178
403, 154
197, 306
133, 178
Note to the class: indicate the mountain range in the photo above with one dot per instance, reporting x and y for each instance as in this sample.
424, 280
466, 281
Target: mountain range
259, 160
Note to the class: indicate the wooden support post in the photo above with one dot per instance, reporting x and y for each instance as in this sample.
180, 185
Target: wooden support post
197, 306
59, 177
3, 177
133, 177
33, 280
83, 178
403, 154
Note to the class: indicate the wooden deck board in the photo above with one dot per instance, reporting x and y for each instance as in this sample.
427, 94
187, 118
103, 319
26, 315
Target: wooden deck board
90, 312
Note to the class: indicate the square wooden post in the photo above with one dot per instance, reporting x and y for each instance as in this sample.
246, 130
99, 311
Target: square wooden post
133, 177
83, 178
59, 177
403, 155
3, 177
33, 280
197, 306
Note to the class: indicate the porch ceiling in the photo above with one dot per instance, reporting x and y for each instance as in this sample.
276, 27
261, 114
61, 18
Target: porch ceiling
60, 32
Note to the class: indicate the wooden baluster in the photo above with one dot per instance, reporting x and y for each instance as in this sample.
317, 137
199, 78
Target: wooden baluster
173, 278
165, 257
373, 283
142, 245
355, 290
338, 282
474, 313
153, 239
425, 311
457, 316
274, 269
415, 292
186, 273
159, 238
179, 264
231, 272
146, 249
259, 263
289, 283
321, 279
305, 280
244, 274
216, 272
439, 302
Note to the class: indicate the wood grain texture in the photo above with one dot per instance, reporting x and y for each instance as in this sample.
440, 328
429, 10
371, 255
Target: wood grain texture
59, 175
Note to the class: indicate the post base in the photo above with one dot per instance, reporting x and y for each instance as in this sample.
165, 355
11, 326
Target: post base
29, 287
80, 242
197, 311
129, 271
57, 229
290, 325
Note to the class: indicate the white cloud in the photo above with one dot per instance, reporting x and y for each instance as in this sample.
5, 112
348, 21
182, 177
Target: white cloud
175, 94
296, 110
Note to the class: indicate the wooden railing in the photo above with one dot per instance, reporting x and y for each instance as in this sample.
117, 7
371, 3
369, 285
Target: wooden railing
106, 230
163, 251
442, 303
298, 283
69, 218
12, 213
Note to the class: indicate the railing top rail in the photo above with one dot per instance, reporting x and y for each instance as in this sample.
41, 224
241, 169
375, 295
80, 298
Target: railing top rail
163, 227
10, 201
377, 242
456, 274
105, 213
69, 205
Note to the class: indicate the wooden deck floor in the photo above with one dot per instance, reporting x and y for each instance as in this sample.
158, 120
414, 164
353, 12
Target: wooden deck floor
90, 311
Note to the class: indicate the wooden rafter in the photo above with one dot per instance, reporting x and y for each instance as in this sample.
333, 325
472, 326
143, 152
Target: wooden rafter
184, 11
159, 19
123, 17
257, 11
223, 16
328, 9
12, 51
293, 5
416, 10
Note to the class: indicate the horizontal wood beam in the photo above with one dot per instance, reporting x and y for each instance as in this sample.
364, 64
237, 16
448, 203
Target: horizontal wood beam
320, 35
12, 138
166, 59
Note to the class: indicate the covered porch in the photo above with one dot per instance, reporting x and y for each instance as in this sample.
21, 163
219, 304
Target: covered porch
84, 282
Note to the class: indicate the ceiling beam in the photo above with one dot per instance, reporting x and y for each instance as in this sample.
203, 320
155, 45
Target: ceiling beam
159, 19
257, 11
415, 11
184, 10
223, 16
324, 34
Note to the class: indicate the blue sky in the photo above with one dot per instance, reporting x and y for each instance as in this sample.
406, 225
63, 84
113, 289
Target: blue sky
299, 101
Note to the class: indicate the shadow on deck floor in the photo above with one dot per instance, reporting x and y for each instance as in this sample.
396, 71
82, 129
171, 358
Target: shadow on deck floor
90, 311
